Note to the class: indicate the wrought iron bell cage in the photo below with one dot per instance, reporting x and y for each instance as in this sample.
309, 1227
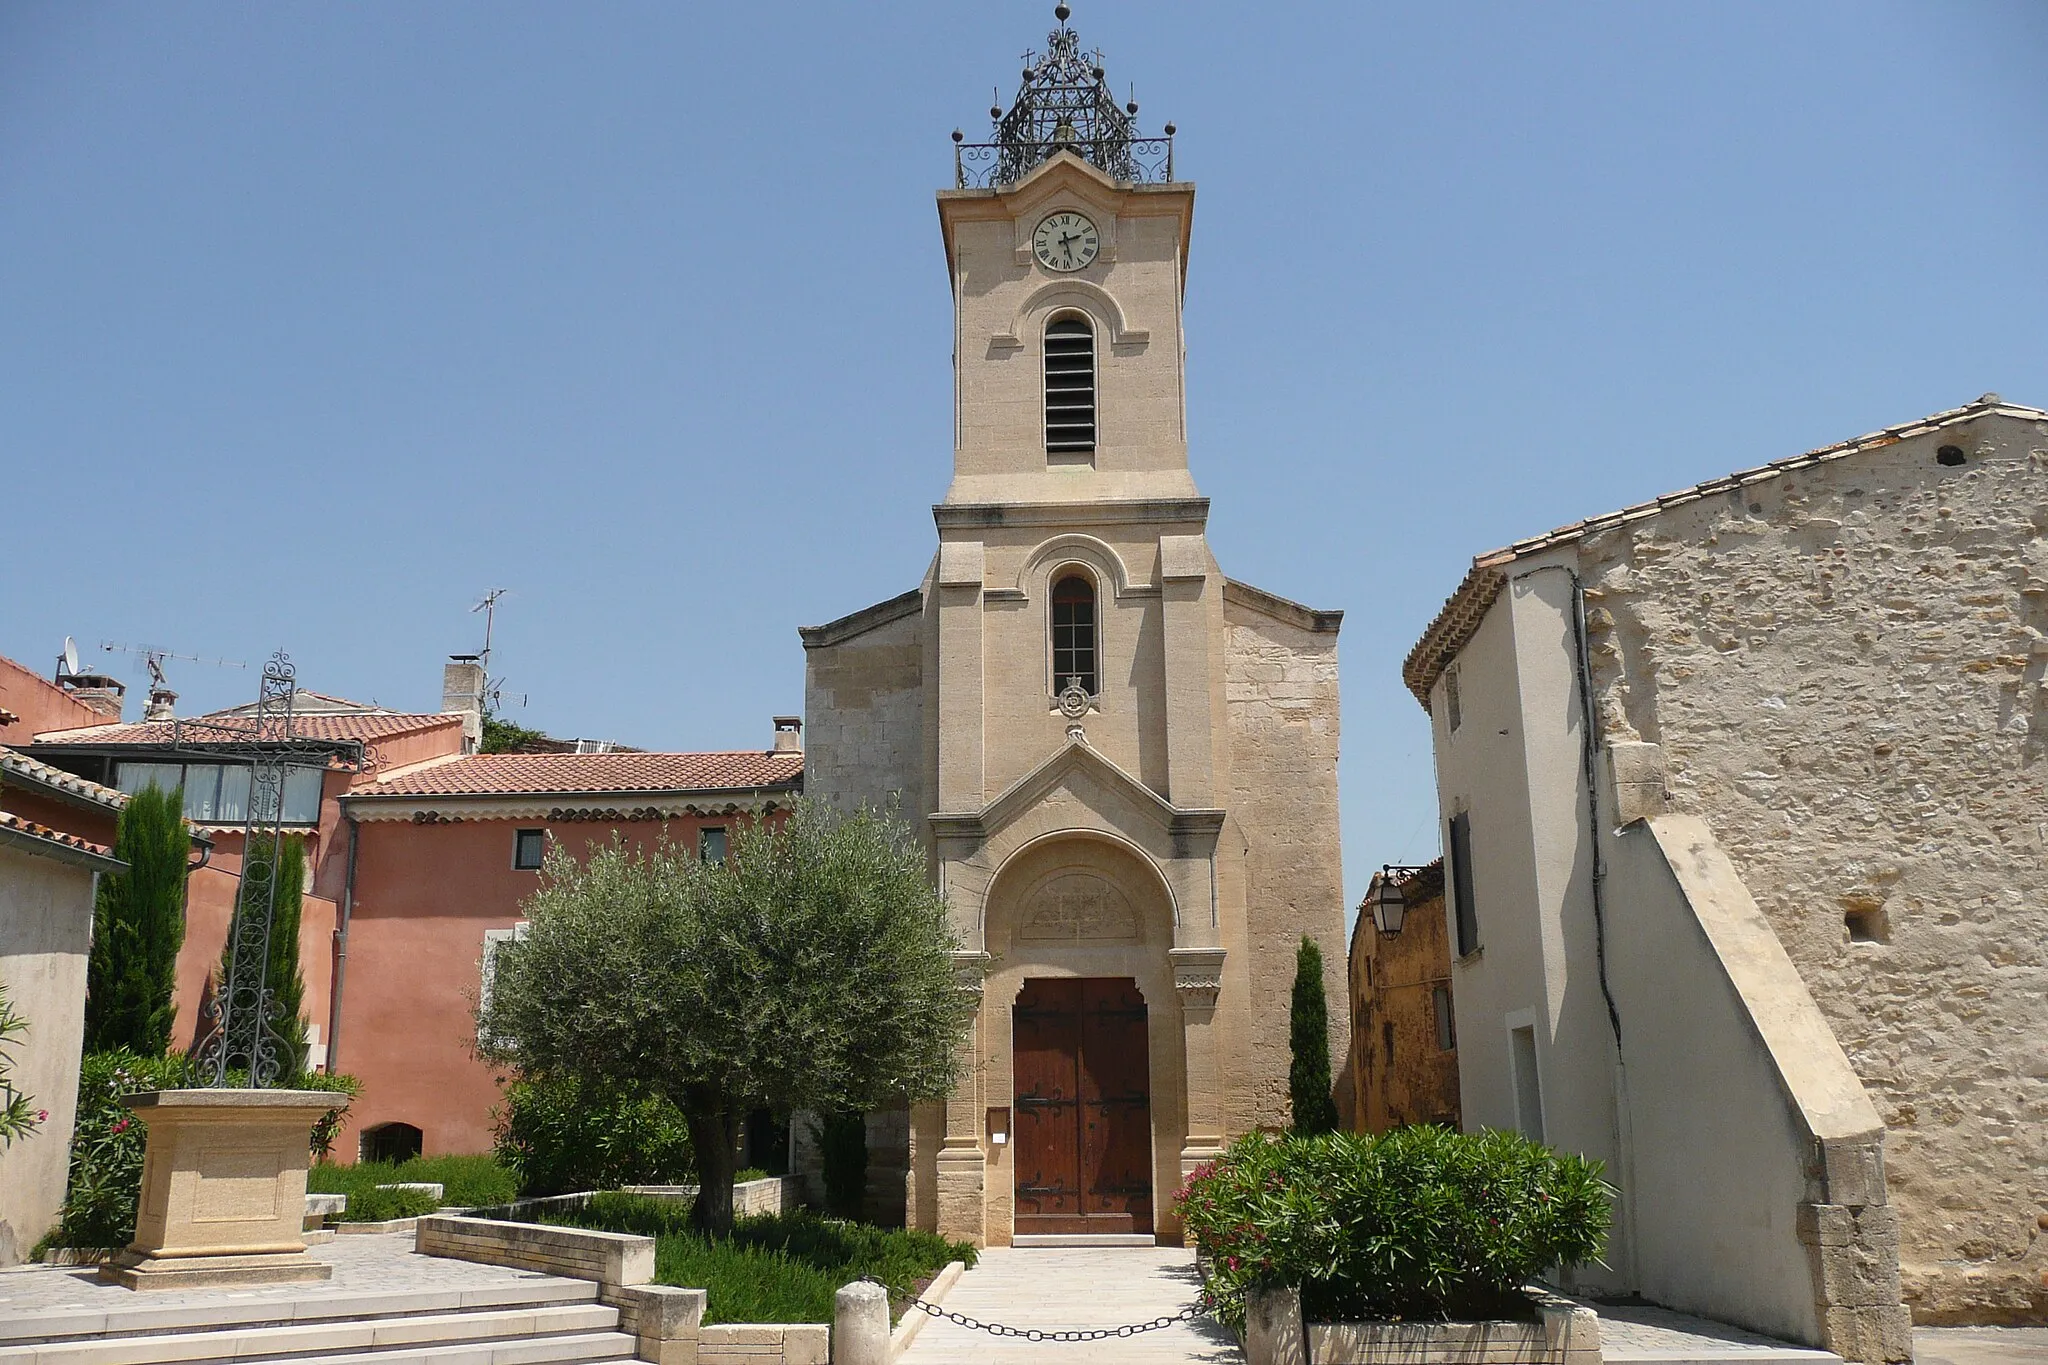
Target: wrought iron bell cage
1063, 104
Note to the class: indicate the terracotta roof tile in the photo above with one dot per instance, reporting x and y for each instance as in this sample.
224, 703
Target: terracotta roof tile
17, 825
570, 774
318, 725
14, 763
1452, 629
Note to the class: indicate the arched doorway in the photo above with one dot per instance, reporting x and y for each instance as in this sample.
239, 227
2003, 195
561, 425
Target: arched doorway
1083, 1143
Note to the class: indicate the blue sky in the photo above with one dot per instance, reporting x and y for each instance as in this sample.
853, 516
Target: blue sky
318, 321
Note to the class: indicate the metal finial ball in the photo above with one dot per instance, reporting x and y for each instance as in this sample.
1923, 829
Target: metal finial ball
1061, 13
995, 111
1131, 108
1027, 74
1097, 73
1169, 130
959, 136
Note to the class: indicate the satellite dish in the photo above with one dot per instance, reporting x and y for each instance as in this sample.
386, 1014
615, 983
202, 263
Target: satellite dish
70, 655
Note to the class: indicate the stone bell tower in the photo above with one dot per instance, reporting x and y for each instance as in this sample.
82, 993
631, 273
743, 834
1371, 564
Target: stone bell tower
1123, 762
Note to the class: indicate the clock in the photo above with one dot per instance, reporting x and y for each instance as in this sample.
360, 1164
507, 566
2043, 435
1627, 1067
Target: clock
1065, 241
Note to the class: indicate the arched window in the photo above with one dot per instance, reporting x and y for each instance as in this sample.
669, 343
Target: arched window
1073, 633
1069, 386
393, 1142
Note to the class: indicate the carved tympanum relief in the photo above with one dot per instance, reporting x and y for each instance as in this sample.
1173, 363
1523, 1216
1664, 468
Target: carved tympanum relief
1076, 906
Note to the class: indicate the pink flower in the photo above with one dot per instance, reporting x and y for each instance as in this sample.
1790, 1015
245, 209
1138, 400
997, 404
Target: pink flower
1234, 1263
42, 1116
122, 1125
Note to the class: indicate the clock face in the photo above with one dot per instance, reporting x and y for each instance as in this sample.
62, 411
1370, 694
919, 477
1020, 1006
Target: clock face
1065, 241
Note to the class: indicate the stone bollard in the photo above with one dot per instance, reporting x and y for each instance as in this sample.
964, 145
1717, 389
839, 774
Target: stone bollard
860, 1325
1273, 1330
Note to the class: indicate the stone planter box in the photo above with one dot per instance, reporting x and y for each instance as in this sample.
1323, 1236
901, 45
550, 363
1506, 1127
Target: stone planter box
1564, 1333
774, 1195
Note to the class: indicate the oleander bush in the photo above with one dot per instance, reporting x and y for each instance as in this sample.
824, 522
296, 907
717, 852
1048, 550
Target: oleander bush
108, 1141
784, 1267
1417, 1223
559, 1134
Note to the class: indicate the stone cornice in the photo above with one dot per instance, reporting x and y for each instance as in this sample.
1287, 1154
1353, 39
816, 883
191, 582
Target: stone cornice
862, 621
953, 516
1280, 609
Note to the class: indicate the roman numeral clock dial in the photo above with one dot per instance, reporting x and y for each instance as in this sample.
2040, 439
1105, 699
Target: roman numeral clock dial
1065, 242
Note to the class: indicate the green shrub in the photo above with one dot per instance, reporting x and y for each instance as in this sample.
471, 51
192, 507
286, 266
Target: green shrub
562, 1134
107, 1145
105, 1180
138, 925
381, 1206
783, 1267
1308, 1041
1420, 1222
467, 1182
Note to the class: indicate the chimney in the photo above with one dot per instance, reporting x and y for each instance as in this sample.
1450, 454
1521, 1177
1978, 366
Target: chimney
462, 693
789, 734
163, 704
100, 693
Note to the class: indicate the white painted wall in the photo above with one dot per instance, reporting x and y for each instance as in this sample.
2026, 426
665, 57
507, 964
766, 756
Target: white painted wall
1733, 1075
45, 935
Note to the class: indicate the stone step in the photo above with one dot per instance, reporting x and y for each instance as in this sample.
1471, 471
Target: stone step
532, 1351
1712, 1355
139, 1315
480, 1328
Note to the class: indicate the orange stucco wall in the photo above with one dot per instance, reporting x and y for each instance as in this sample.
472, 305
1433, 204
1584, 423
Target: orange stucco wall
41, 704
425, 894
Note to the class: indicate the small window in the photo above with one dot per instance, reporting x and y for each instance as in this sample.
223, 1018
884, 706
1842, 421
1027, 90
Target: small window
1069, 386
711, 843
1073, 634
529, 848
1461, 884
1454, 714
496, 941
1446, 1026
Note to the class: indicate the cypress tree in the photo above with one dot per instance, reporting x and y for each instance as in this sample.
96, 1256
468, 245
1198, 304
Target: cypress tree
281, 978
1308, 1077
138, 927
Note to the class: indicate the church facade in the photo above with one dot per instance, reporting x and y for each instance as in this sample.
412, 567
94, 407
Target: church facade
1122, 762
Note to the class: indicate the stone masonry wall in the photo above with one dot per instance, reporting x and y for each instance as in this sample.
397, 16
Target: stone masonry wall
1844, 666
1281, 701
863, 706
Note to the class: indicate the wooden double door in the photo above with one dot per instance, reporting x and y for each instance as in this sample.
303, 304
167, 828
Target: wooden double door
1082, 1145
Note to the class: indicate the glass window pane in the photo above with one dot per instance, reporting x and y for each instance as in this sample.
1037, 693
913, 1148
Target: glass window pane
302, 796
711, 845
202, 791
133, 777
233, 806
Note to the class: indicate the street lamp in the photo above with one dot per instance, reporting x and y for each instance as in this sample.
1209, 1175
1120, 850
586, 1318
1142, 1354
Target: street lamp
1389, 906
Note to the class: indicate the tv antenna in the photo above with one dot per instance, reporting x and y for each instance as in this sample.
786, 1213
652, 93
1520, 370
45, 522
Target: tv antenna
489, 607
152, 658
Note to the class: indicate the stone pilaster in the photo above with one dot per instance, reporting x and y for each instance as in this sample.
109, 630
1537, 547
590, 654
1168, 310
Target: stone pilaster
1198, 977
962, 1164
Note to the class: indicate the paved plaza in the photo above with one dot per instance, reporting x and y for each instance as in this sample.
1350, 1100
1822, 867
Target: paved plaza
46, 1301
1054, 1288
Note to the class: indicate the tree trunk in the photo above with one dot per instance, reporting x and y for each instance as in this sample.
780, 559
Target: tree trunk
712, 1129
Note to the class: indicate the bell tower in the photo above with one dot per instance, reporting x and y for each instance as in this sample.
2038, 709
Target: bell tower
1066, 237
1122, 763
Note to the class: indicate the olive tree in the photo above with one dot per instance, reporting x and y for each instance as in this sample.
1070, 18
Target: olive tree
812, 969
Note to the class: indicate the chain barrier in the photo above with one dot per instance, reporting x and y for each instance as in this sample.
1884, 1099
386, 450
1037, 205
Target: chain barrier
997, 1329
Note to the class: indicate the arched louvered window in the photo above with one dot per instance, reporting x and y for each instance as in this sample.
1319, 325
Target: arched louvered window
1069, 386
1073, 633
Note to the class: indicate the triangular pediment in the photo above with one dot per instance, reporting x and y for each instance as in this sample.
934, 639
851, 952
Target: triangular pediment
1081, 773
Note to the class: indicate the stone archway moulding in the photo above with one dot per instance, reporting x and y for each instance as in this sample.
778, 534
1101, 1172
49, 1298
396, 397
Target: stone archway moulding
1085, 295
1097, 556
1005, 871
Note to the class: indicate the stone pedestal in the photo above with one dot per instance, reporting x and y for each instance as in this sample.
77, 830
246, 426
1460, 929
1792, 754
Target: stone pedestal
223, 1189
